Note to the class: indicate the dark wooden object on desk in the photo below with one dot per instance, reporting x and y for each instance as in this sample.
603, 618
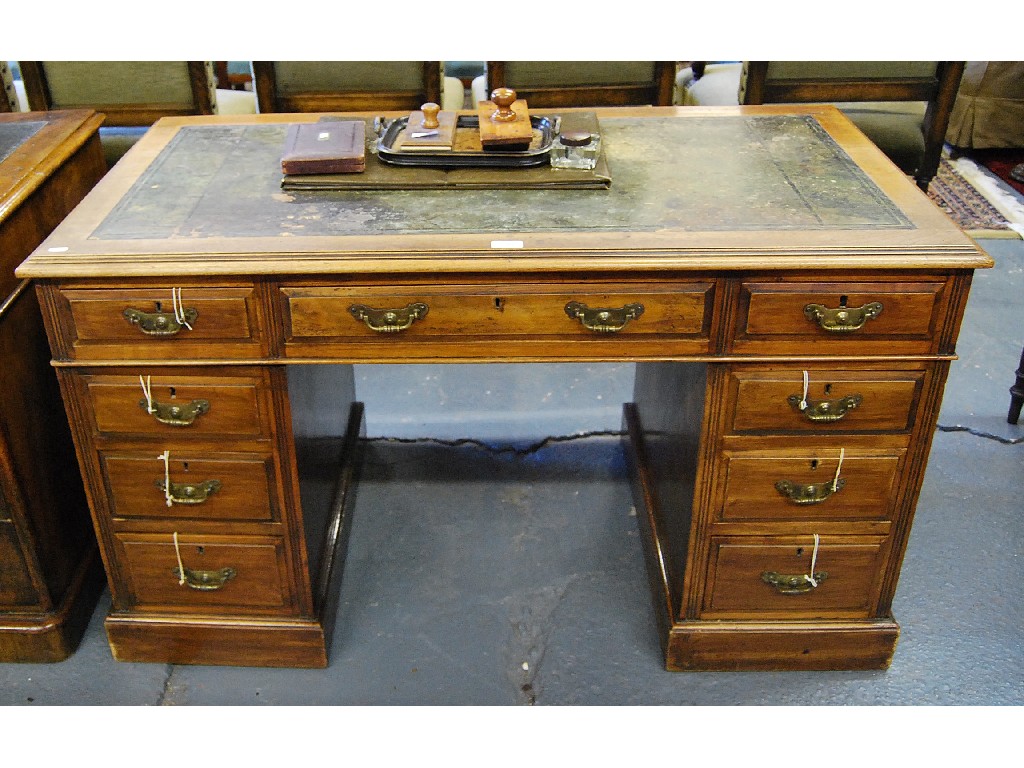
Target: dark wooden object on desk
50, 573
792, 332
504, 121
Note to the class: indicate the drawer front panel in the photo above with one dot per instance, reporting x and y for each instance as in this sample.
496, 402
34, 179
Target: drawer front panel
181, 406
835, 401
764, 577
141, 322
214, 488
851, 317
464, 315
221, 574
777, 487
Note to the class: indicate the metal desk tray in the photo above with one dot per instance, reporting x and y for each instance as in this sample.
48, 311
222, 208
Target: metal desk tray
467, 151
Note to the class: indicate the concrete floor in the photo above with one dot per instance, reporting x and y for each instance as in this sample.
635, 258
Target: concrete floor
481, 576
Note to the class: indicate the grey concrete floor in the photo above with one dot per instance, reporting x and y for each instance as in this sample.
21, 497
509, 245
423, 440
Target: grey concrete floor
486, 576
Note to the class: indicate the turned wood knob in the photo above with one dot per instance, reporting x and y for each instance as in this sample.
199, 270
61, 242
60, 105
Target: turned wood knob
503, 99
430, 110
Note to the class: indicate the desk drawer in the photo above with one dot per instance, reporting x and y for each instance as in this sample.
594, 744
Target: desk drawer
509, 321
222, 487
836, 400
162, 322
862, 318
222, 573
751, 577
178, 405
801, 485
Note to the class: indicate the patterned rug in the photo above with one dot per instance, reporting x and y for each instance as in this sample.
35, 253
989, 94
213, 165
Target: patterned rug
972, 211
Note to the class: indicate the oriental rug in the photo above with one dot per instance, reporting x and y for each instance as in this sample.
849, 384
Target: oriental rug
975, 201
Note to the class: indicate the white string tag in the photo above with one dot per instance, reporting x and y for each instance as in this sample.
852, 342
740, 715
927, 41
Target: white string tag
803, 400
814, 559
166, 456
147, 390
179, 307
177, 554
839, 466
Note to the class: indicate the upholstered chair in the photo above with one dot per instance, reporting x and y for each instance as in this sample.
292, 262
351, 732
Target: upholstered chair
132, 94
352, 86
902, 106
580, 83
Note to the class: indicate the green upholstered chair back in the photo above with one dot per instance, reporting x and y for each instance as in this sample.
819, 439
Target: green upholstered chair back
585, 83
902, 106
129, 93
329, 86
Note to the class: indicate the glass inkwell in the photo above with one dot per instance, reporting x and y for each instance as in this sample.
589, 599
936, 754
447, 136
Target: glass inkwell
575, 149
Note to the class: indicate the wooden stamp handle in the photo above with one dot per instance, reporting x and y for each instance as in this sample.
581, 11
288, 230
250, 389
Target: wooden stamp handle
430, 110
503, 99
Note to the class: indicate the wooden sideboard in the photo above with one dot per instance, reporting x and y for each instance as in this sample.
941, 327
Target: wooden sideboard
791, 302
50, 574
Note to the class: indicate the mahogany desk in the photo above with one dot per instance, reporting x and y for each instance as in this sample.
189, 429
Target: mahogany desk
791, 300
50, 575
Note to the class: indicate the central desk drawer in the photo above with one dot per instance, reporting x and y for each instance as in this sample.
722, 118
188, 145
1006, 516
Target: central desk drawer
465, 319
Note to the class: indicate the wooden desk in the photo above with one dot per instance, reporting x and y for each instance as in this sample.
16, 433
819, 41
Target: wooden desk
50, 573
774, 527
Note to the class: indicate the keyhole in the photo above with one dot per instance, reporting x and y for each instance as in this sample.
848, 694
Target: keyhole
499, 304
174, 393
842, 301
799, 551
828, 389
159, 306
200, 550
184, 466
814, 463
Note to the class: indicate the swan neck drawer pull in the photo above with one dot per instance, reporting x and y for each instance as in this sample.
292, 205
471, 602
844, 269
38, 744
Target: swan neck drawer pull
205, 581
161, 323
603, 320
793, 584
188, 493
812, 493
824, 410
389, 320
842, 319
174, 414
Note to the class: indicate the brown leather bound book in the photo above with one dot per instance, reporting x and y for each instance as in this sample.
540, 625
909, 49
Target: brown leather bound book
329, 146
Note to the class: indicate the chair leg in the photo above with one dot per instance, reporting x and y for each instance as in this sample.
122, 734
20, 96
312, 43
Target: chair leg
1017, 394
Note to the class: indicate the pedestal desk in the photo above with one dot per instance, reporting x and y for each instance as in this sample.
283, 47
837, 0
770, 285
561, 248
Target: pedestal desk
50, 574
791, 302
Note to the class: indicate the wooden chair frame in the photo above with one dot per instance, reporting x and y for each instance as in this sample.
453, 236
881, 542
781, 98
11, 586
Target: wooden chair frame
939, 91
37, 90
658, 92
269, 100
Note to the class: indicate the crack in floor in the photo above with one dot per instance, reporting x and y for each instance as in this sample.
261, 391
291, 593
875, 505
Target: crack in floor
979, 433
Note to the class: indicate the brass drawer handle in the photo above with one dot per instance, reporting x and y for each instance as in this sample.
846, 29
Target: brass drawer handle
603, 320
175, 414
824, 410
161, 323
389, 320
205, 581
188, 493
793, 584
812, 493
842, 319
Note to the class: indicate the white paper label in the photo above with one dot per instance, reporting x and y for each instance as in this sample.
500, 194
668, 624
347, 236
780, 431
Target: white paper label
506, 243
